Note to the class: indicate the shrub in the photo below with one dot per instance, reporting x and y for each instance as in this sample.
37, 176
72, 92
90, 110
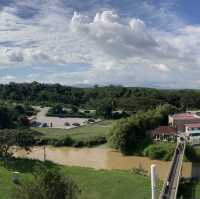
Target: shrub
160, 151
67, 141
192, 153
47, 184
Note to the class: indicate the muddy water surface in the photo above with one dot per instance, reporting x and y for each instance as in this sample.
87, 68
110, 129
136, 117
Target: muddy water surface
102, 158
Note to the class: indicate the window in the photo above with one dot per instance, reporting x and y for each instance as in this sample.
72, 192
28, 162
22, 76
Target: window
195, 134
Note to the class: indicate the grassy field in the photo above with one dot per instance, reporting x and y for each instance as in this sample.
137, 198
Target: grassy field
94, 184
83, 132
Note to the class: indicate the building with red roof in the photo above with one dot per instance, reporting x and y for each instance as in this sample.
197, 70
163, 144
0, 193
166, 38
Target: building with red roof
164, 133
179, 120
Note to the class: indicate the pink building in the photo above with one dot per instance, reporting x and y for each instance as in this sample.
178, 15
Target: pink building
179, 120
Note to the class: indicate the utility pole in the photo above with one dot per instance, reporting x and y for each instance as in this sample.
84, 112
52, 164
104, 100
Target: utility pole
153, 181
44, 153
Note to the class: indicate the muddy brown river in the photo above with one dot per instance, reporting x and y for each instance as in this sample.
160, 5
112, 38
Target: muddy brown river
104, 158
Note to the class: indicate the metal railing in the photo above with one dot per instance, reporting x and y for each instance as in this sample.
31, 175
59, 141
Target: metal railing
170, 186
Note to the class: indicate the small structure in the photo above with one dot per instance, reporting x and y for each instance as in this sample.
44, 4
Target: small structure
15, 177
179, 120
192, 132
153, 182
164, 133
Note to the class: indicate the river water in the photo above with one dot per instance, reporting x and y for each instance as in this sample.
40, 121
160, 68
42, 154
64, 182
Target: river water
104, 158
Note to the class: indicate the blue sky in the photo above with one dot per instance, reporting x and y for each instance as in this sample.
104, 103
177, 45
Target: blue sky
153, 43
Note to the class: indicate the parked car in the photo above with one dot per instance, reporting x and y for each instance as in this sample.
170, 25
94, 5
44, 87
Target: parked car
67, 124
76, 124
91, 120
44, 124
35, 124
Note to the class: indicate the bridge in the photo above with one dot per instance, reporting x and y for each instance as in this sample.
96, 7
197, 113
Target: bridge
170, 186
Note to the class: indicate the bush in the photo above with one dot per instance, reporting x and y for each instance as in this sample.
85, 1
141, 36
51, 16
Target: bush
64, 142
47, 184
160, 151
68, 141
192, 153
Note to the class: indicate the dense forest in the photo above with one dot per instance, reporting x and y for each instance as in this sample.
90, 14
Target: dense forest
126, 98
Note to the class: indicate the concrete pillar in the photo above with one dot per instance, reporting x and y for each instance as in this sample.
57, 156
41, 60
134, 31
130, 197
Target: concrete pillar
153, 181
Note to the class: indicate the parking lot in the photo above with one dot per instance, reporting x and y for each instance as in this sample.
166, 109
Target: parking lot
57, 122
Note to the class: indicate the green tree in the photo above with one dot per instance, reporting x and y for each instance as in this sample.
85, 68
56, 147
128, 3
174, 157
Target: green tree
12, 137
5, 118
57, 109
104, 109
47, 184
131, 134
74, 109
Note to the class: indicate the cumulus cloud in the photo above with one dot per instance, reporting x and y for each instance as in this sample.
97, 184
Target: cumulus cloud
124, 42
113, 36
120, 44
15, 56
162, 67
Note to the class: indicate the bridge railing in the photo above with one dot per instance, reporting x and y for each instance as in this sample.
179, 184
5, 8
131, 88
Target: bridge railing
174, 165
179, 171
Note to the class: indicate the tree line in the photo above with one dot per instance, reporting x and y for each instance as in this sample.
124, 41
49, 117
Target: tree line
118, 97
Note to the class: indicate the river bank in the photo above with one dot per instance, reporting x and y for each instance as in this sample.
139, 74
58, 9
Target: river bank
104, 158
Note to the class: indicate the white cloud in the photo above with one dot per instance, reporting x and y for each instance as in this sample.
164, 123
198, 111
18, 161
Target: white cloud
7, 78
131, 45
162, 67
15, 56
118, 48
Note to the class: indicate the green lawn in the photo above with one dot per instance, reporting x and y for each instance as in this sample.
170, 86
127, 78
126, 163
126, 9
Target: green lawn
83, 132
94, 184
6, 184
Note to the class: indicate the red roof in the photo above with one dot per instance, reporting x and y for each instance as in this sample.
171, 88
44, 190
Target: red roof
164, 130
183, 116
195, 125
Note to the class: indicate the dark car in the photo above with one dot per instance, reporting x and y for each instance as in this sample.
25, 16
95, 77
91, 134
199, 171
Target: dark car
76, 124
44, 125
67, 124
91, 120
